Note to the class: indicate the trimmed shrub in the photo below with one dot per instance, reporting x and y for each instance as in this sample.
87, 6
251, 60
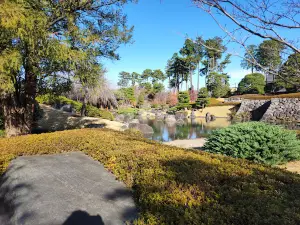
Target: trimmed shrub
202, 99
183, 100
127, 111
256, 141
173, 185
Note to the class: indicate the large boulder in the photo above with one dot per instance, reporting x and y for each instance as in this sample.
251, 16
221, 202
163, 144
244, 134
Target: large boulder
159, 115
181, 115
144, 128
119, 117
170, 119
67, 108
135, 121
128, 117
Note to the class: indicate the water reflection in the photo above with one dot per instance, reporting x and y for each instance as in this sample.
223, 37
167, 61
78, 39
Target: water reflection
190, 129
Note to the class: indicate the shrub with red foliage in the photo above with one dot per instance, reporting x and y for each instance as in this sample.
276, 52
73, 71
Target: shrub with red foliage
172, 99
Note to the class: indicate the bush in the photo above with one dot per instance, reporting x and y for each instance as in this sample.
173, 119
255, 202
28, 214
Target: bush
172, 99
202, 99
183, 100
58, 100
257, 141
173, 185
93, 111
127, 111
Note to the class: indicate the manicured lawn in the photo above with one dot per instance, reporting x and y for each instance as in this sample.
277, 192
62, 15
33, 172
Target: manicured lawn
173, 185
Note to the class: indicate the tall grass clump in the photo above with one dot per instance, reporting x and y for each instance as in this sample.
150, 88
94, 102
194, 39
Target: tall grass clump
256, 141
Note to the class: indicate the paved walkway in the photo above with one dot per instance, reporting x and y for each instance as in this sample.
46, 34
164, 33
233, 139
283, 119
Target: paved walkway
63, 189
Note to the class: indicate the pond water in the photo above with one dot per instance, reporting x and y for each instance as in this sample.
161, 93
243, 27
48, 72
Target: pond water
191, 129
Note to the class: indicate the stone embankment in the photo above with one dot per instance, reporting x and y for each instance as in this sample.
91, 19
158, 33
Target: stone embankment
276, 109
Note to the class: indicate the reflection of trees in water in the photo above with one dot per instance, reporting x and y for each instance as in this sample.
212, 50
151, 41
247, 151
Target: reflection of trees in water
194, 128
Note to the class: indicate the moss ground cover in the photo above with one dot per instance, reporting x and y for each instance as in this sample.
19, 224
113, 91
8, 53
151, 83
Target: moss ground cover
173, 185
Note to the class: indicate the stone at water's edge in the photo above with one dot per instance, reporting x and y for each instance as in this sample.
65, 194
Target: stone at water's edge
144, 128
170, 119
63, 189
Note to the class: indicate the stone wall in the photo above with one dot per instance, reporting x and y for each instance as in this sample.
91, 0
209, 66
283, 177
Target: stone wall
287, 109
250, 105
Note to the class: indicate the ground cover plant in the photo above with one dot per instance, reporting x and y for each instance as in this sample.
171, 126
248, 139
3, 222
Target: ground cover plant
173, 185
257, 141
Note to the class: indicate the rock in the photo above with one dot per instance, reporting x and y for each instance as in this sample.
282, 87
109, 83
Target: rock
128, 117
151, 116
120, 118
67, 108
181, 115
212, 118
180, 122
207, 117
170, 119
159, 116
144, 128
135, 121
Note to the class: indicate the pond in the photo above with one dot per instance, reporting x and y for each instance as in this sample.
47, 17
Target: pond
191, 129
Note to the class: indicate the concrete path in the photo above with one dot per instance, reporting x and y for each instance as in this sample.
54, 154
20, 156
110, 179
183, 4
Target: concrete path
63, 189
188, 143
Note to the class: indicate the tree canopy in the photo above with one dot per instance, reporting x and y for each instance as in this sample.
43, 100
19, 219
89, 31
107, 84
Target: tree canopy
252, 84
42, 41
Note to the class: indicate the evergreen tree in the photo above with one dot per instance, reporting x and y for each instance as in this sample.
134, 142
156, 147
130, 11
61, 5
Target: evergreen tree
41, 40
202, 99
183, 100
253, 83
249, 61
290, 74
218, 84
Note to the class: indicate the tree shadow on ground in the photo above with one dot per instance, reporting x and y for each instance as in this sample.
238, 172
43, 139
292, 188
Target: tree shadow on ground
80, 217
12, 193
221, 192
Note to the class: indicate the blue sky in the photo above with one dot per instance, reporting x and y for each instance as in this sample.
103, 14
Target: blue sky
160, 29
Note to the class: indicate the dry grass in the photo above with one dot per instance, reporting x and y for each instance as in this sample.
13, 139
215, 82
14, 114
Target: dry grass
173, 185
266, 97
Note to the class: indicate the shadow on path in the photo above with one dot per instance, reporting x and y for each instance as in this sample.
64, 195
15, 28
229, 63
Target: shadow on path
81, 217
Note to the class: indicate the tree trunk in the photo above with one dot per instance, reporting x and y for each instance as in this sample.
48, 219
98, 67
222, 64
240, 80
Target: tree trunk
85, 101
16, 117
198, 78
191, 79
186, 85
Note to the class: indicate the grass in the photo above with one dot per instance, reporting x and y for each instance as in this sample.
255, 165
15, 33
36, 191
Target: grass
215, 102
173, 185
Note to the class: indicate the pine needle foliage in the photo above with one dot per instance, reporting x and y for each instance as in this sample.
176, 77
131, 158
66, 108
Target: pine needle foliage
256, 141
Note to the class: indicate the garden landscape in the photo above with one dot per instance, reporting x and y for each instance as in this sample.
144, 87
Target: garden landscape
122, 112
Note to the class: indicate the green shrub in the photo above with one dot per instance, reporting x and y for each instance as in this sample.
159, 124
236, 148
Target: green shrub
173, 185
127, 111
2, 133
172, 110
202, 99
60, 100
257, 141
1, 120
93, 111
183, 100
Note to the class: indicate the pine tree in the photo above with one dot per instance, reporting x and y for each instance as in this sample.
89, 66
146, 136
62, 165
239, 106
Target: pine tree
183, 100
202, 99
43, 40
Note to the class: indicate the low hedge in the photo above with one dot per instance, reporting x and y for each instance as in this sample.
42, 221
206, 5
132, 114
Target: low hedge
257, 141
173, 185
92, 111
267, 97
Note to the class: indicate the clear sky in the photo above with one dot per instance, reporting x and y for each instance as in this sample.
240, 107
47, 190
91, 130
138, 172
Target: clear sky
160, 30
